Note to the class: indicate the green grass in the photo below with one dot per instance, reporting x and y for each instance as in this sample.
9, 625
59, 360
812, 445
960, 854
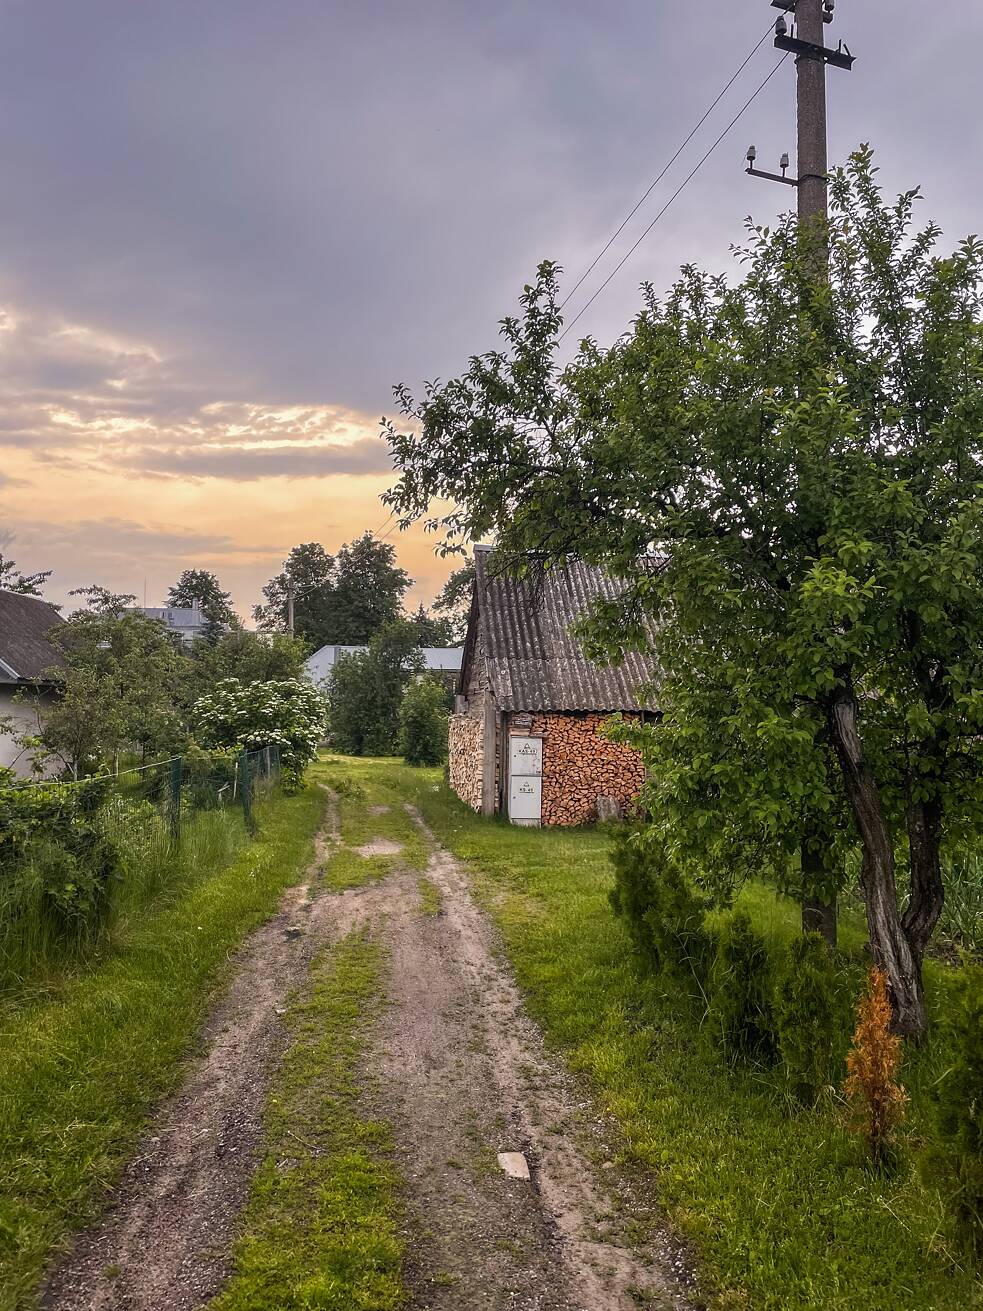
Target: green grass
361, 789
83, 1067
321, 1225
39, 950
783, 1213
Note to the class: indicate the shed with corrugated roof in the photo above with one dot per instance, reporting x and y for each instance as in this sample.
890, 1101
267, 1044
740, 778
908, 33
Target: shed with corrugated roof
528, 735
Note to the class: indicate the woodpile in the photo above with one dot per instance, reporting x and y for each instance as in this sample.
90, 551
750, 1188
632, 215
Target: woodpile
580, 764
465, 744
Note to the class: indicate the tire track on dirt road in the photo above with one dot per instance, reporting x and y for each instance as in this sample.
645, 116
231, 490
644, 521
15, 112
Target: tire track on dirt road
464, 1076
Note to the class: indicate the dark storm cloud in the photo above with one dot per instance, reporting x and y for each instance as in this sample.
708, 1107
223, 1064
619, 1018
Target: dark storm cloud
304, 202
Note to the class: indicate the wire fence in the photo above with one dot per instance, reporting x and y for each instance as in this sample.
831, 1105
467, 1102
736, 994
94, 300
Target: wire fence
79, 859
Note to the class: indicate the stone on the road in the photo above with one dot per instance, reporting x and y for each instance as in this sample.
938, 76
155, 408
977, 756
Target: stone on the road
514, 1164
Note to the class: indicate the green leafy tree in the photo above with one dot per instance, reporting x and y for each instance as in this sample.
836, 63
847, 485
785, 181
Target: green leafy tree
369, 589
423, 722
119, 687
804, 457
248, 657
199, 587
12, 580
454, 602
365, 691
287, 714
431, 629
310, 571
341, 599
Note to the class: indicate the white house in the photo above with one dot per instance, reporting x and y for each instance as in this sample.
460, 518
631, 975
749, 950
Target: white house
187, 622
435, 658
26, 657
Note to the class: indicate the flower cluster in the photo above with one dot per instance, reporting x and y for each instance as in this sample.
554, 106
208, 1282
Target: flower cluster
287, 714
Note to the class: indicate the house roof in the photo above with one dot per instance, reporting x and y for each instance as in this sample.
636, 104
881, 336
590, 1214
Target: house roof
534, 664
25, 652
320, 664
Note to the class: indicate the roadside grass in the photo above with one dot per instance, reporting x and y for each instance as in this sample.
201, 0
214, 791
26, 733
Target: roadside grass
781, 1207
369, 809
84, 1067
320, 1229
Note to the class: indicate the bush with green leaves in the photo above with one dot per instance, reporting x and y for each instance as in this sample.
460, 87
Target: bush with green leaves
663, 912
423, 723
287, 714
955, 1165
741, 999
365, 691
807, 1015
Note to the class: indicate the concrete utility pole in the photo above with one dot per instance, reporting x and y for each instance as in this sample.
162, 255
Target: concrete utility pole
806, 42
290, 608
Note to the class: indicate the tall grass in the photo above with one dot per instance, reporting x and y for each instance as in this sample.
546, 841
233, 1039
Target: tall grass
51, 925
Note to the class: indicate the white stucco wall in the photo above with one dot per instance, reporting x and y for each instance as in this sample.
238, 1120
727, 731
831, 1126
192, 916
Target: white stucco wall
24, 720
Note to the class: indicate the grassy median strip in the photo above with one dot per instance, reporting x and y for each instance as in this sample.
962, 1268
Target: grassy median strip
321, 1225
783, 1211
82, 1071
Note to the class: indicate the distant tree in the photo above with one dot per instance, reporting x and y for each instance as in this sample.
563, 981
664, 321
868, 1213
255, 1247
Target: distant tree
423, 722
454, 602
341, 599
365, 691
248, 657
12, 580
369, 589
310, 570
199, 587
432, 631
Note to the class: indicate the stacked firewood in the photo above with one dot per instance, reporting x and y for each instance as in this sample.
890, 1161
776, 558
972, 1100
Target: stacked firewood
465, 743
580, 764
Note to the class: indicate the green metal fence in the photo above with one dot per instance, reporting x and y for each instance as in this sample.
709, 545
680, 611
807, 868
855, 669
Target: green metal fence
78, 858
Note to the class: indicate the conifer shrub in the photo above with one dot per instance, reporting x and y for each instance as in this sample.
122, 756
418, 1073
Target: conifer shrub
806, 1015
741, 997
955, 1163
663, 912
875, 1097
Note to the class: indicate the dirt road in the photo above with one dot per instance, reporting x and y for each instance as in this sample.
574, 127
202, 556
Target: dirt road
458, 1069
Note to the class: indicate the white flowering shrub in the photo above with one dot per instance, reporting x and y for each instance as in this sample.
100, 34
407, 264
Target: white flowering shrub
288, 714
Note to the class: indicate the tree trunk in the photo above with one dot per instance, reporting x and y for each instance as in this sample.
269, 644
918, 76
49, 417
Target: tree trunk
889, 942
927, 890
818, 914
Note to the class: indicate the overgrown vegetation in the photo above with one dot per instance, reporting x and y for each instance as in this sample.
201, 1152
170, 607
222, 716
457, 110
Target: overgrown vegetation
321, 1228
85, 1060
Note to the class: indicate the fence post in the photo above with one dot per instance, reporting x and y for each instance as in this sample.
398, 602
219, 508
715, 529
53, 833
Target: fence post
177, 775
246, 790
268, 762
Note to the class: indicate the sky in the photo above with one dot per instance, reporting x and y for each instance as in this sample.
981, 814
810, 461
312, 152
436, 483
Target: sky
229, 227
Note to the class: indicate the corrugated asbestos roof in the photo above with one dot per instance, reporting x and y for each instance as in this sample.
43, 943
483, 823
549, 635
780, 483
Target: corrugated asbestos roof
533, 661
25, 622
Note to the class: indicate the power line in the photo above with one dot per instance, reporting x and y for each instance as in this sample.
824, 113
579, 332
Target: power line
676, 194
584, 276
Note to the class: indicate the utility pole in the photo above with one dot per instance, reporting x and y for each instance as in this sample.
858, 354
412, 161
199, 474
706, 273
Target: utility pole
290, 608
807, 43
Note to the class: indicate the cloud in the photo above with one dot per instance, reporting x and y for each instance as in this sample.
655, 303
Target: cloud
84, 400
240, 464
